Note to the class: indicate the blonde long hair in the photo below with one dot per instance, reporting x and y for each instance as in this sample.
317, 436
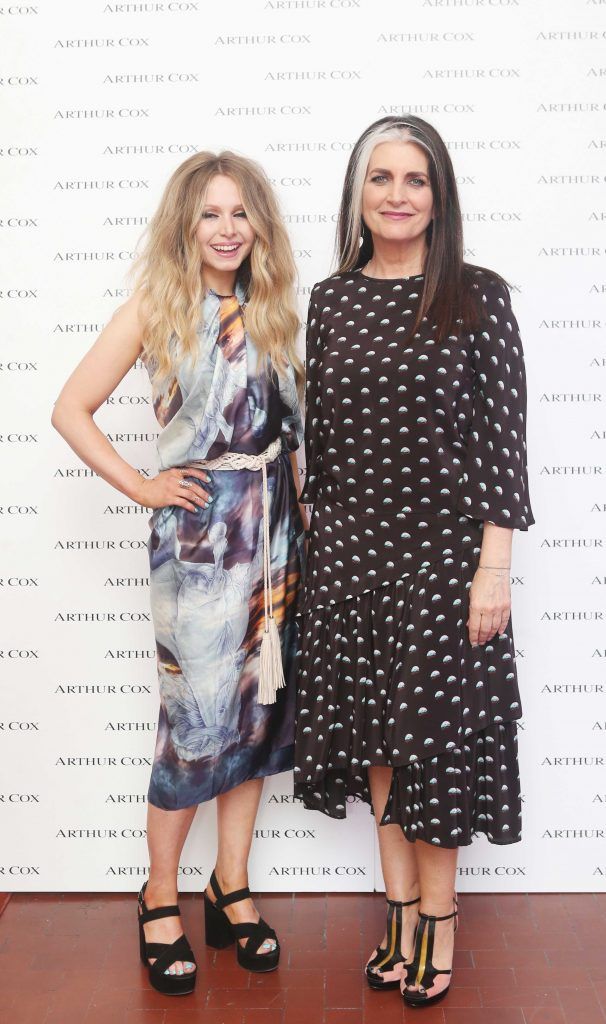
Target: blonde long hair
168, 269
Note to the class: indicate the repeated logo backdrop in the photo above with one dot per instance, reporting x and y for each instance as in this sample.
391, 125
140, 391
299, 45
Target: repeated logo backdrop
101, 102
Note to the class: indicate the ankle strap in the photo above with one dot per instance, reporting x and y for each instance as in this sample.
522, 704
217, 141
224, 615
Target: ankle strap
226, 899
431, 917
397, 903
157, 912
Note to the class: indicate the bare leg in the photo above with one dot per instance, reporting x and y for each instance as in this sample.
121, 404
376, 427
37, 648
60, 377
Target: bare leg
236, 813
398, 859
437, 874
166, 834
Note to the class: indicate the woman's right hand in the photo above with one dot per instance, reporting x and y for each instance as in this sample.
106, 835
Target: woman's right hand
173, 487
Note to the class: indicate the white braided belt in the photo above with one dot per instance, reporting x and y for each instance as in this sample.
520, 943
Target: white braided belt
271, 672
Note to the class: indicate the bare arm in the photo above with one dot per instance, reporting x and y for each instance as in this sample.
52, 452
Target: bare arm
92, 382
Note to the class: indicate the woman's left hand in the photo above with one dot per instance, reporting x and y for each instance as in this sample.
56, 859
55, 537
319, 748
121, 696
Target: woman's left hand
489, 605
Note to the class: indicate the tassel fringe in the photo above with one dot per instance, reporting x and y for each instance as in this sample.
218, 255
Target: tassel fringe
271, 672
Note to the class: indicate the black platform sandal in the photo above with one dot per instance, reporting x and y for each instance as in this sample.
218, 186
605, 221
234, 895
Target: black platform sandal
421, 971
165, 953
220, 932
387, 965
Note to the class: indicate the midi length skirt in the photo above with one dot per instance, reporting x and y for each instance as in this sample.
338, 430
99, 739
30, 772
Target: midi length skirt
206, 589
388, 677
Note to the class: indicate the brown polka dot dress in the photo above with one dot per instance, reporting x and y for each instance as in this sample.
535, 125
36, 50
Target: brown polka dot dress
412, 442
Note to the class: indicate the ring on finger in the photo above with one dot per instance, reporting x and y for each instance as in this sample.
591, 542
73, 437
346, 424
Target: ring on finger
185, 483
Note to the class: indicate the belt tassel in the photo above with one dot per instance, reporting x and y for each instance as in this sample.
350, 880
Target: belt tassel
271, 671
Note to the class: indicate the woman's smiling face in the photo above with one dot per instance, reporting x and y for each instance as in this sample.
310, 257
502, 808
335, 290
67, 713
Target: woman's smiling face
224, 233
397, 201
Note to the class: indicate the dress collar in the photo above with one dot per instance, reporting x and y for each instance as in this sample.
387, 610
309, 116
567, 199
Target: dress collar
239, 292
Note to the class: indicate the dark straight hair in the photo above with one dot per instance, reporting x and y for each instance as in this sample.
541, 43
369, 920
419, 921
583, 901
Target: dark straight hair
448, 296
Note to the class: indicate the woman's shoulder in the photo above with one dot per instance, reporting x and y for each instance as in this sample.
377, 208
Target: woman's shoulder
334, 285
486, 285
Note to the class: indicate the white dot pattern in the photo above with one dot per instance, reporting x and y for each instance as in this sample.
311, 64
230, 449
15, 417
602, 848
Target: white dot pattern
411, 443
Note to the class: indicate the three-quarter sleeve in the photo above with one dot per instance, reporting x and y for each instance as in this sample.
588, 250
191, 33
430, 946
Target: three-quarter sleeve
313, 401
494, 484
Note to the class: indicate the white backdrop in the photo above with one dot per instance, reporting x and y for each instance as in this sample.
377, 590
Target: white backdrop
101, 102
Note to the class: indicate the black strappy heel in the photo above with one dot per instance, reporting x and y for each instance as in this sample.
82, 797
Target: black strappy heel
165, 953
220, 932
387, 964
422, 971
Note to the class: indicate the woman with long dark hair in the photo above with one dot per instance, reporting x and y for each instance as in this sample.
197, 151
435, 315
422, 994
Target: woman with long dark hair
213, 317
416, 468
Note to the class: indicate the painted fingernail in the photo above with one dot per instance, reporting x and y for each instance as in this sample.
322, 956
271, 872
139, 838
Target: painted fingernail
210, 499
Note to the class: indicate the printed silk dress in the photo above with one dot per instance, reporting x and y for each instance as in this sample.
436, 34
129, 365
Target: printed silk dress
206, 569
412, 442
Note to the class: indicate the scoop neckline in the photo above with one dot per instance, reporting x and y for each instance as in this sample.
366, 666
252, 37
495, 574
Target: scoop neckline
411, 277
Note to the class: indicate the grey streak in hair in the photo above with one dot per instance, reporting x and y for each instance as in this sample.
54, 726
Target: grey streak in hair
400, 132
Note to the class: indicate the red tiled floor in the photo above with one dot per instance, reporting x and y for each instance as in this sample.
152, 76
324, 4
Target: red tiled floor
380, 1003
144, 1017
481, 935
501, 1016
600, 990
549, 938
312, 1000
459, 997
246, 998
263, 1016
297, 1015
581, 1006
319, 958
544, 1015
525, 997
30, 1008
343, 989
431, 1015
561, 977
465, 958
520, 959
484, 976
180, 1015
530, 958
585, 958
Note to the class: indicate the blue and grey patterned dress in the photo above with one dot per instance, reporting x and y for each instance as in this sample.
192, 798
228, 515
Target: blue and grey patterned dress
206, 569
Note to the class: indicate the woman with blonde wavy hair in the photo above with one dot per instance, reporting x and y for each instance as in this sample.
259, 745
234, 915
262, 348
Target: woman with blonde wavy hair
213, 318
